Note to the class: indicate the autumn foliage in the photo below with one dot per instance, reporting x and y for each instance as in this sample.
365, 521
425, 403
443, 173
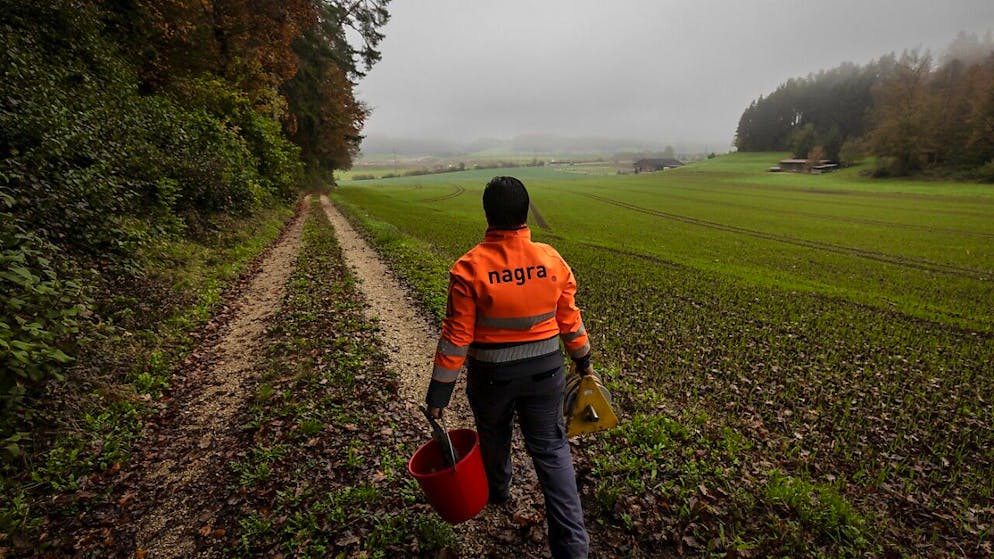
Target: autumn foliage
914, 113
290, 58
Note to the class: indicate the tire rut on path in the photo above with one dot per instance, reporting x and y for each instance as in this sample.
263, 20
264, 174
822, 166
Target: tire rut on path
407, 335
410, 340
186, 453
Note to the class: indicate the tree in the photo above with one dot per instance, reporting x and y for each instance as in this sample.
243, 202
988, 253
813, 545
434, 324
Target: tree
902, 109
802, 140
246, 42
900, 115
326, 117
835, 102
365, 18
831, 142
291, 58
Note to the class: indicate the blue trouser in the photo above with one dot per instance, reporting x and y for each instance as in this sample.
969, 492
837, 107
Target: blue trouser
539, 405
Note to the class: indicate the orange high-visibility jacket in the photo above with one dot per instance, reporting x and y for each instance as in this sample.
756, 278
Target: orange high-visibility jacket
510, 301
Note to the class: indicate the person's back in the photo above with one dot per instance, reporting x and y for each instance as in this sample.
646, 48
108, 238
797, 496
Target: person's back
510, 301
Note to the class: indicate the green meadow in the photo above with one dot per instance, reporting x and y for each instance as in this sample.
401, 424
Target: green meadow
922, 249
809, 356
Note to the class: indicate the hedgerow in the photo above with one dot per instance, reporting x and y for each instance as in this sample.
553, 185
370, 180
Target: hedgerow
95, 173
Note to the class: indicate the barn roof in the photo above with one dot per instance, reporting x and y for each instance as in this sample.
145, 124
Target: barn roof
802, 161
660, 161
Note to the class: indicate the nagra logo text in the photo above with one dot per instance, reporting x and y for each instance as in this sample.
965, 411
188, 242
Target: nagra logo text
518, 275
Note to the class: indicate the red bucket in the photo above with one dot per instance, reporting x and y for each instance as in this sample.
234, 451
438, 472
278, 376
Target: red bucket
459, 492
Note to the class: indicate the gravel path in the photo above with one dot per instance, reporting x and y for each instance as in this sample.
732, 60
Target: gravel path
407, 335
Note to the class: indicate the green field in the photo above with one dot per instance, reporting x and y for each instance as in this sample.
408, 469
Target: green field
813, 350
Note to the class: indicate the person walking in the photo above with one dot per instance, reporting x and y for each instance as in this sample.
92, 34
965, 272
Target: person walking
510, 301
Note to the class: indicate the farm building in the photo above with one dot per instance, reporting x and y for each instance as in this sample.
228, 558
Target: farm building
806, 166
658, 164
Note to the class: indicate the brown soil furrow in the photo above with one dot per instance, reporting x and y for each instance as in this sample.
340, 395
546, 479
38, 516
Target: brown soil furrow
410, 340
458, 191
539, 220
189, 449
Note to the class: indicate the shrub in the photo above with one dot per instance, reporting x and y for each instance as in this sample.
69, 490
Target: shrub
39, 313
986, 173
105, 168
853, 151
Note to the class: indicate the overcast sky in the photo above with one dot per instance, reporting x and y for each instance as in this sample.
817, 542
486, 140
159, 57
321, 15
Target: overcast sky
664, 71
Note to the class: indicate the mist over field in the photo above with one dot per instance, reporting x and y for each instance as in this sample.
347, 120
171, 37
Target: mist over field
527, 144
596, 76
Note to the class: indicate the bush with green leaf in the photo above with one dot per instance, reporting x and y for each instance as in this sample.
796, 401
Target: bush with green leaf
39, 313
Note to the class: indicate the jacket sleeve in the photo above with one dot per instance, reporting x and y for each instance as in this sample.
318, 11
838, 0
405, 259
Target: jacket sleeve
457, 330
571, 329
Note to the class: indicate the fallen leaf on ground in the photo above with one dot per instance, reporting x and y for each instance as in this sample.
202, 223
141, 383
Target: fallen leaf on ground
525, 518
347, 540
126, 498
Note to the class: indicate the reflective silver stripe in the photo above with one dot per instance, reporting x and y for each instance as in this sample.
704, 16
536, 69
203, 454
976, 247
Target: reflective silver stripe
444, 375
516, 323
577, 353
445, 347
574, 335
516, 352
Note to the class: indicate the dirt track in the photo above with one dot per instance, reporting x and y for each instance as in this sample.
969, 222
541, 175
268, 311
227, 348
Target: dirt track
407, 335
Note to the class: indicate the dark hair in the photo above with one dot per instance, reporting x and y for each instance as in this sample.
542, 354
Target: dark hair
505, 202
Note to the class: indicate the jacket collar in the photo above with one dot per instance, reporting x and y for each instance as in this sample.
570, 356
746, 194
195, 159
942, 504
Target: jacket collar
522, 232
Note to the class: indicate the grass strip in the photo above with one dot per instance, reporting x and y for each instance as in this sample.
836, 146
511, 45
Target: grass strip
328, 438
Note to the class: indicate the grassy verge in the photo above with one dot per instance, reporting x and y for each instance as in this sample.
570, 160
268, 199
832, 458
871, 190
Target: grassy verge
87, 424
327, 438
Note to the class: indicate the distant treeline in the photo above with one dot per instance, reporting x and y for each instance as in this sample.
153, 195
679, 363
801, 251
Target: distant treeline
461, 166
124, 124
910, 112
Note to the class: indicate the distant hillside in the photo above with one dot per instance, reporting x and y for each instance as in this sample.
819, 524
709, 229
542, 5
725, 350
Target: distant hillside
528, 143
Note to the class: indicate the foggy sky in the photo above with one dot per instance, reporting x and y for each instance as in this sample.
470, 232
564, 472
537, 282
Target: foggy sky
664, 71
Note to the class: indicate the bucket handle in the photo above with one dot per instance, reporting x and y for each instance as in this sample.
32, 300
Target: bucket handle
440, 434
